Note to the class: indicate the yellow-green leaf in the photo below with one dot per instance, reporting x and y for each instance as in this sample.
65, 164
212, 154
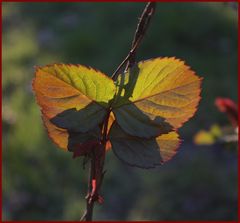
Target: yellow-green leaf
161, 89
72, 98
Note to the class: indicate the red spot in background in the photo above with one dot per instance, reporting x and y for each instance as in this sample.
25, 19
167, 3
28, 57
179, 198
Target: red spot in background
229, 107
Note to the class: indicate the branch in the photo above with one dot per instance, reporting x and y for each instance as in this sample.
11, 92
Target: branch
87, 216
96, 173
139, 34
98, 154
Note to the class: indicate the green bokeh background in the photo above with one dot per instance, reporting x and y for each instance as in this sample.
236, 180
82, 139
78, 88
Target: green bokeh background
42, 182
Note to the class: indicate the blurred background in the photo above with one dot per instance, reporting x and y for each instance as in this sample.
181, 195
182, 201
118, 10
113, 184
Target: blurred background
42, 182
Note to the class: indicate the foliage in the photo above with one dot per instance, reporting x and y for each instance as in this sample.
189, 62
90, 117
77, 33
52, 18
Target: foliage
42, 183
148, 103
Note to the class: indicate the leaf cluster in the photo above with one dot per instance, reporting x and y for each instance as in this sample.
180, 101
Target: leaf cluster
143, 108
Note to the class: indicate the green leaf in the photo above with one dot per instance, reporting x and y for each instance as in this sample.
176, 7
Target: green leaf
80, 121
141, 152
95, 85
70, 140
141, 124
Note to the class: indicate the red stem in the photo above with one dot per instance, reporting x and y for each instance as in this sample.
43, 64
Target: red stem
96, 172
98, 153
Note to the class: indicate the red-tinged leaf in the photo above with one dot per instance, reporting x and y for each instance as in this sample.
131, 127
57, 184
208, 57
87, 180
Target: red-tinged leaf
84, 148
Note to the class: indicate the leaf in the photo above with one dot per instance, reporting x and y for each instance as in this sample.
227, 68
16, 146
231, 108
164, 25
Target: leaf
59, 136
163, 92
71, 141
148, 103
141, 124
73, 101
141, 152
82, 120
73, 97
84, 148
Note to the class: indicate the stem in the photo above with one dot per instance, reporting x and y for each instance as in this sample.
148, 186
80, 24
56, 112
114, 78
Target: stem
87, 216
98, 154
139, 34
96, 173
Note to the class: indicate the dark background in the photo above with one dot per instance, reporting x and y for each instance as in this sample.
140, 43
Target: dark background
42, 182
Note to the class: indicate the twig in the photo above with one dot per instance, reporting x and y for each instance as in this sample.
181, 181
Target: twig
139, 34
96, 173
98, 155
87, 216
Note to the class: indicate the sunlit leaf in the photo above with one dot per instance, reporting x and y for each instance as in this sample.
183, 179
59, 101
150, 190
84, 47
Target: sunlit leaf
161, 92
73, 91
147, 104
141, 152
73, 100
58, 135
